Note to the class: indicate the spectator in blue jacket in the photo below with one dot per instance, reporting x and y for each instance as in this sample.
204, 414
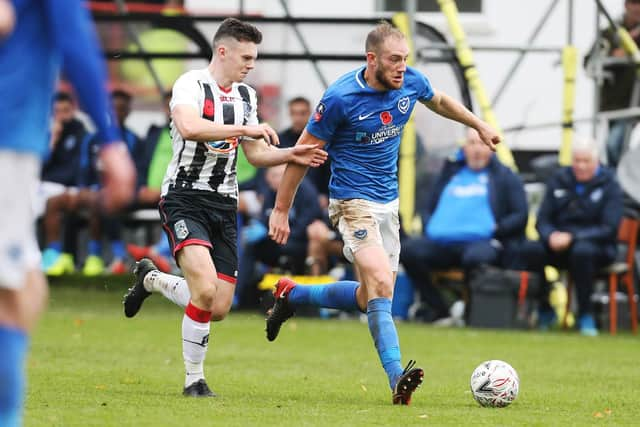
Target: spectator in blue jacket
578, 223
476, 210
59, 184
258, 247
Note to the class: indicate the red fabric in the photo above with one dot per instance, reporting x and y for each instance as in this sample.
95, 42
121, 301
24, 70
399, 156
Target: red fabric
191, 242
226, 278
196, 314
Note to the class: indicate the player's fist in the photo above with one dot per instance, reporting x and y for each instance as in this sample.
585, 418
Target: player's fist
279, 226
489, 136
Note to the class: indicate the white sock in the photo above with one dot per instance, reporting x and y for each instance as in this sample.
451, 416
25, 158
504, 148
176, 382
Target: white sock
195, 340
174, 288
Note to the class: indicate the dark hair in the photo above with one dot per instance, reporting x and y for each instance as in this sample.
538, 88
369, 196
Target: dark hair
299, 99
378, 35
63, 97
119, 93
240, 31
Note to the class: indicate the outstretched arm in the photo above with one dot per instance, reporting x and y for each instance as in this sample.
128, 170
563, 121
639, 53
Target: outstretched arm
448, 107
261, 154
279, 218
192, 127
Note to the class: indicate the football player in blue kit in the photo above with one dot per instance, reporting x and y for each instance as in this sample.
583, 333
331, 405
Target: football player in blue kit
36, 37
359, 122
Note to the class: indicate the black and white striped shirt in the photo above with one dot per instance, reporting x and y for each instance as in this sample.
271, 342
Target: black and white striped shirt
209, 166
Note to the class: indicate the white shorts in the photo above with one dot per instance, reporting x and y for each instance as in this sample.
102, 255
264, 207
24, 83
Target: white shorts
363, 223
19, 252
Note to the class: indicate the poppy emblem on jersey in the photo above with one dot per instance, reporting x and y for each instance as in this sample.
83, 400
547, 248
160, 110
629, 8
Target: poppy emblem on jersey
386, 117
208, 109
221, 147
403, 104
319, 112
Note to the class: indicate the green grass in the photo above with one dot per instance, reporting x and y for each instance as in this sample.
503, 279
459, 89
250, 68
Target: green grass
90, 366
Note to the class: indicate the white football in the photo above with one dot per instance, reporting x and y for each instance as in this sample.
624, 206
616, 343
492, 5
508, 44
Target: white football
495, 384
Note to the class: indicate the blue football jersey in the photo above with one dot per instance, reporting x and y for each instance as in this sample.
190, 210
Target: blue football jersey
362, 129
49, 34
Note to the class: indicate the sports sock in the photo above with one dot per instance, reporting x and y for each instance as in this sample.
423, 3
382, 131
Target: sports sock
56, 245
118, 249
95, 248
195, 340
13, 343
340, 295
385, 337
174, 288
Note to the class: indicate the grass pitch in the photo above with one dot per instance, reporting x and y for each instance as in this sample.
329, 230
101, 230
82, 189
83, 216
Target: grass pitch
89, 366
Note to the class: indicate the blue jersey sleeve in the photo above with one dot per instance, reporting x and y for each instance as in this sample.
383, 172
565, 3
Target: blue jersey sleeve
74, 35
329, 114
425, 91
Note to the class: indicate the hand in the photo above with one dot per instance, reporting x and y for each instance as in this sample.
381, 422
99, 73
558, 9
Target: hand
118, 176
279, 226
560, 240
263, 131
489, 136
56, 131
308, 155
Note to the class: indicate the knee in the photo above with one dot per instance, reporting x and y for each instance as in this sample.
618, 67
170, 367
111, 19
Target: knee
205, 298
583, 252
380, 285
217, 315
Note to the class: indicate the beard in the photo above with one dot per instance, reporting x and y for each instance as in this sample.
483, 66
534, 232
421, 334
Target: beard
386, 81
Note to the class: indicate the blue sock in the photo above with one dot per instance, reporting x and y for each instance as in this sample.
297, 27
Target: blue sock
13, 343
55, 245
95, 248
117, 249
385, 337
340, 295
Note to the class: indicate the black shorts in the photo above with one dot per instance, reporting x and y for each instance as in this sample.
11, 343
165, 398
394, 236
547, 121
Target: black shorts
206, 219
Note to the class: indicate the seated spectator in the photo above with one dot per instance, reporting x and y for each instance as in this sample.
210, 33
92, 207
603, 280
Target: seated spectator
155, 155
578, 224
476, 209
299, 112
258, 247
324, 241
60, 184
85, 196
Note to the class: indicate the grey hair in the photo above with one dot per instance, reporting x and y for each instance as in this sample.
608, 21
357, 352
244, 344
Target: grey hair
583, 143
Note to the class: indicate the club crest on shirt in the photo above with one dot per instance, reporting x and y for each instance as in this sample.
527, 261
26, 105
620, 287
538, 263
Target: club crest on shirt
596, 195
181, 229
403, 104
320, 109
360, 234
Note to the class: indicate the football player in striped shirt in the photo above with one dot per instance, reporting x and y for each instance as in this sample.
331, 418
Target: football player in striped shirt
213, 112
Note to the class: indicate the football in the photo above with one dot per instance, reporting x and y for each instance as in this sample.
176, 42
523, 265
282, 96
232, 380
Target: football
495, 384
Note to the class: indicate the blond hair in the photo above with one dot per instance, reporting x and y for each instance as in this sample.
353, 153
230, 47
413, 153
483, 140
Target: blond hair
379, 34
